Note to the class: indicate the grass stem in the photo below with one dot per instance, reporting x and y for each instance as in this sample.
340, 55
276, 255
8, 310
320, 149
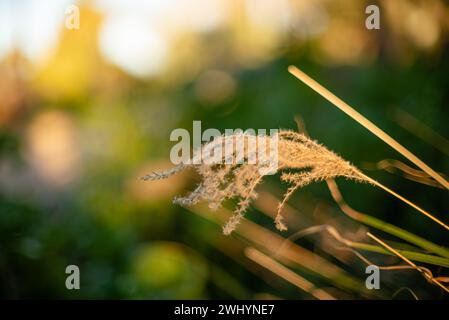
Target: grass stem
411, 204
423, 271
366, 123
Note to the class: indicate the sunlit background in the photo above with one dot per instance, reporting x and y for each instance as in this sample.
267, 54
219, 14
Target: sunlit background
84, 113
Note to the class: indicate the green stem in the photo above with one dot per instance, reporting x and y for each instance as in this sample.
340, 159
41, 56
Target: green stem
404, 235
412, 255
384, 226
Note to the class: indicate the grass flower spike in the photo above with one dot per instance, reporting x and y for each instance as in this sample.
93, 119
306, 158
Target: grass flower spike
301, 161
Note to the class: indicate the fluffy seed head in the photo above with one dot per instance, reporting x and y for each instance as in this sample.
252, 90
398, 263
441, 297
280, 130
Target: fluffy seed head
301, 161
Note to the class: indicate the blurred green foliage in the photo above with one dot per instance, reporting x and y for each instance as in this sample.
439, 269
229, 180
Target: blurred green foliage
70, 193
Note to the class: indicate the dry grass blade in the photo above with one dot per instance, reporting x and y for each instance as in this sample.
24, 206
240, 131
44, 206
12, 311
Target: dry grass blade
393, 165
421, 130
292, 255
366, 123
333, 232
424, 271
405, 289
369, 262
287, 274
381, 225
405, 200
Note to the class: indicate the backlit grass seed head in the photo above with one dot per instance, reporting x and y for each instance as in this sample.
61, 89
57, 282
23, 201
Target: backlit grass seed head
301, 161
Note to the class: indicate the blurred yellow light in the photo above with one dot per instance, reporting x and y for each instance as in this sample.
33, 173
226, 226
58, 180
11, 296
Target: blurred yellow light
52, 147
422, 28
214, 87
344, 43
133, 45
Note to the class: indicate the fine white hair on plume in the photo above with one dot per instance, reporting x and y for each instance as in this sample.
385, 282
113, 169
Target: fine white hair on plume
300, 160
